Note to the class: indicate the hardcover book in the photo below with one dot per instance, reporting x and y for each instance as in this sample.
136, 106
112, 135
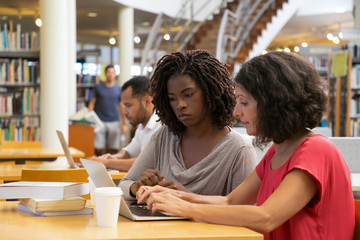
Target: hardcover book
49, 190
41, 205
85, 210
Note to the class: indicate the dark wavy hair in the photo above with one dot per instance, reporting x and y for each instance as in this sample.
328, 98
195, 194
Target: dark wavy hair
140, 86
210, 74
289, 92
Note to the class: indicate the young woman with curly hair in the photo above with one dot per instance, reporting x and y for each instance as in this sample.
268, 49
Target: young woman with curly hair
195, 150
301, 187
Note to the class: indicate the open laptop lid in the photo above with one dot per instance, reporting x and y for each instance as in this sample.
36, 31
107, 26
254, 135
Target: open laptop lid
97, 173
101, 178
66, 149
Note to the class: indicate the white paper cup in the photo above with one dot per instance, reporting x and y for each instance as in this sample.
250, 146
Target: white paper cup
107, 203
91, 188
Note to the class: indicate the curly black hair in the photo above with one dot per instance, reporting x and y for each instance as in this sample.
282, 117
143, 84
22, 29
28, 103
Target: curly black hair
210, 74
289, 92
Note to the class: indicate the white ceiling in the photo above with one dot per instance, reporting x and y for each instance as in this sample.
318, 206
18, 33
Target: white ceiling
311, 23
314, 20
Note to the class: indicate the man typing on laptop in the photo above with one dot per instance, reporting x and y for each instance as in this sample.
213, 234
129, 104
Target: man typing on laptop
139, 110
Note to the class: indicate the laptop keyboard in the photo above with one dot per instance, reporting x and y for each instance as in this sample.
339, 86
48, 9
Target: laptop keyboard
142, 210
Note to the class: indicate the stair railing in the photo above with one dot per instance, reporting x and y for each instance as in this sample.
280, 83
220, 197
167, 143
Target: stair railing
235, 28
179, 40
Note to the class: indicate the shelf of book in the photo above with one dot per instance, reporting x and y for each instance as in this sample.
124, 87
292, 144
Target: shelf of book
355, 99
20, 129
85, 85
19, 93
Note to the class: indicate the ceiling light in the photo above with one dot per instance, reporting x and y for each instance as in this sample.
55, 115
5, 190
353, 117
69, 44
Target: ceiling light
340, 10
145, 24
92, 14
330, 36
341, 35
167, 37
304, 44
296, 49
287, 50
264, 52
279, 50
38, 22
336, 40
112, 41
137, 39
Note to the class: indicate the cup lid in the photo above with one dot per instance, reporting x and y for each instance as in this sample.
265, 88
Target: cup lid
108, 191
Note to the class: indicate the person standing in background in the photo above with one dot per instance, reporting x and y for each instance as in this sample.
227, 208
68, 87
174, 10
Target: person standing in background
139, 111
106, 102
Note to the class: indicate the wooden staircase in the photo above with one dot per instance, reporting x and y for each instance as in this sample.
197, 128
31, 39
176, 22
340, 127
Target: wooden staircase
206, 37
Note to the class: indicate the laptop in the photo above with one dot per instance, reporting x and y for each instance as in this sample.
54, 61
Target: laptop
128, 209
66, 149
68, 155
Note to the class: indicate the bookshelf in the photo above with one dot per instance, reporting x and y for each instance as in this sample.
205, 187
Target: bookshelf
85, 84
321, 64
86, 78
339, 93
19, 95
355, 100
19, 84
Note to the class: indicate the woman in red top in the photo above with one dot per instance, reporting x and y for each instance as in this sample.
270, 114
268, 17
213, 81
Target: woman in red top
302, 186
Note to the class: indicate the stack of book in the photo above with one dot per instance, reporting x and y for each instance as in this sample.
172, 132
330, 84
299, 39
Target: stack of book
48, 198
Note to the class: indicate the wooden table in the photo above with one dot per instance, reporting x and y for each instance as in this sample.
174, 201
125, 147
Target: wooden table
35, 154
19, 225
13, 172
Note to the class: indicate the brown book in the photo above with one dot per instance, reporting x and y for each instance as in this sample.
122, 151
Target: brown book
54, 205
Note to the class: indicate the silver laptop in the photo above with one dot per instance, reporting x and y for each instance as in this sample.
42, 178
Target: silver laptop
66, 149
128, 209
68, 155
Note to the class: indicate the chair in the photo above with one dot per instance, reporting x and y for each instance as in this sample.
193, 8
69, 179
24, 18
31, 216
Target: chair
357, 220
7, 163
56, 175
82, 137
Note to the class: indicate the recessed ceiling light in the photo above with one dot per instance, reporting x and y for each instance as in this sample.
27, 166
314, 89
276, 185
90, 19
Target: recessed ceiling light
38, 22
336, 40
330, 36
112, 41
167, 37
145, 24
340, 10
137, 39
92, 14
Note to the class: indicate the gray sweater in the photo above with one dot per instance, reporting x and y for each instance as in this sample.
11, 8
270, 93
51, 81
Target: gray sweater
227, 165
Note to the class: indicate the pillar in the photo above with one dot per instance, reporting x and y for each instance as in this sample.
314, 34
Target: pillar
126, 43
72, 57
54, 74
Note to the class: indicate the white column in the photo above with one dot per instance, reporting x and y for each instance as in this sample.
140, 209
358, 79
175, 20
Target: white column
72, 56
356, 13
126, 43
53, 71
